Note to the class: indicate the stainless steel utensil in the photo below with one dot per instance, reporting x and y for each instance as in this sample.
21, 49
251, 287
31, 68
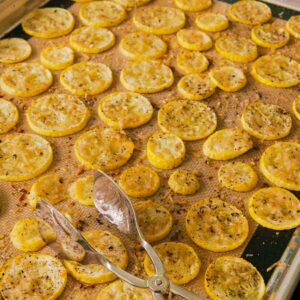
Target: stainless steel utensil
113, 203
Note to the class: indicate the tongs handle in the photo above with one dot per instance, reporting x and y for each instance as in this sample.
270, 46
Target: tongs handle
186, 294
62, 222
157, 296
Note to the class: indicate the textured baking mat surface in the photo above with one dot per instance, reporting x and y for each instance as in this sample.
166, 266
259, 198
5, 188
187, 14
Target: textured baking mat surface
228, 106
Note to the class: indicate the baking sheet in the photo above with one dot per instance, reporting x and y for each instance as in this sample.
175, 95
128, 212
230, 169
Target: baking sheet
227, 105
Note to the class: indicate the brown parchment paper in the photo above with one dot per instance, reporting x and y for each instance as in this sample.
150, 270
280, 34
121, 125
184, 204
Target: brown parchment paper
228, 106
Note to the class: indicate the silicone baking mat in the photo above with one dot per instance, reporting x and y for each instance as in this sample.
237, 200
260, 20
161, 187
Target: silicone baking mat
265, 246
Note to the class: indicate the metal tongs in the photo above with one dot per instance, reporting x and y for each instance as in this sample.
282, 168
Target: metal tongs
116, 207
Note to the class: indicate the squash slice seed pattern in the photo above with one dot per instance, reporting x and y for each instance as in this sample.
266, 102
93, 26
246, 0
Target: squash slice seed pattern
49, 22
184, 182
146, 76
266, 121
270, 35
57, 115
191, 61
25, 79
159, 19
276, 70
24, 156
91, 40
230, 277
250, 12
102, 14
196, 86
125, 110
45, 277
216, 225
103, 148
142, 46
212, 22
86, 78
82, 190
9, 115
180, 260
228, 78
236, 48
139, 181
275, 208
165, 150
227, 143
48, 187
237, 176
155, 220
13, 50
190, 120
57, 57
280, 164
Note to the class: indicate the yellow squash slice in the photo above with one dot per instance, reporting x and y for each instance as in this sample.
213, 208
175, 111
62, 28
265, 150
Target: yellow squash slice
212, 22
196, 86
125, 110
146, 76
86, 78
32, 276
31, 234
276, 70
236, 48
280, 164
9, 115
275, 208
228, 78
139, 181
102, 14
159, 19
230, 278
24, 156
190, 120
49, 188
227, 143
154, 220
193, 5
270, 35
237, 176
216, 225
57, 57
72, 250
91, 40
49, 22
296, 108
46, 231
184, 182
293, 26
192, 39
122, 290
250, 12
13, 50
266, 121
103, 148
82, 190
57, 115
132, 3
25, 79
165, 150
181, 262
142, 46
191, 61
109, 246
